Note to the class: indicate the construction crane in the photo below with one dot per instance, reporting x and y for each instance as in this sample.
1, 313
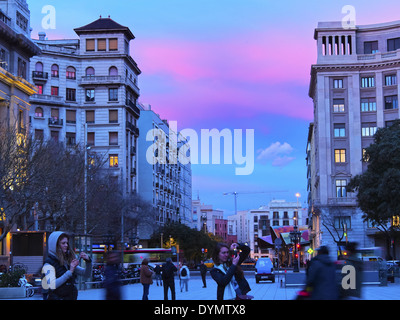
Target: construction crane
236, 194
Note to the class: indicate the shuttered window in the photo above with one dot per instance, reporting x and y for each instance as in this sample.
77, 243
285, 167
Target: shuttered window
90, 44
113, 44
101, 45
89, 116
71, 116
113, 116
113, 138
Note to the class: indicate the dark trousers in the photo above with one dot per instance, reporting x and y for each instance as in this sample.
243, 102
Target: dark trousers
169, 283
203, 277
146, 287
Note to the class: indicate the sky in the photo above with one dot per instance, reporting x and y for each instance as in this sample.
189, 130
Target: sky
219, 64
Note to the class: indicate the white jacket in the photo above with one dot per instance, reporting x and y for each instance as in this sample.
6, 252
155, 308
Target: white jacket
187, 275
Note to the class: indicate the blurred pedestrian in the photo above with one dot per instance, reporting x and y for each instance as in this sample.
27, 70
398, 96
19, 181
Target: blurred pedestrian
321, 279
157, 271
168, 276
112, 276
352, 290
203, 272
146, 278
184, 276
227, 273
61, 268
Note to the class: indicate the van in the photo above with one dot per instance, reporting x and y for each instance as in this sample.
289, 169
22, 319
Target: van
264, 270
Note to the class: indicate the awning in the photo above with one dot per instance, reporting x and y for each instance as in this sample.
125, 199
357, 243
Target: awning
265, 241
283, 232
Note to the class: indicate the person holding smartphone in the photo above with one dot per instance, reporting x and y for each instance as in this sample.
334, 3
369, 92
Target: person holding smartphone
227, 272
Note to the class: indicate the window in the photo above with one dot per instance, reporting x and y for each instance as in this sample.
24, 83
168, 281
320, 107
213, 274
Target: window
338, 105
367, 82
368, 104
22, 22
71, 73
341, 188
89, 96
90, 44
393, 44
55, 114
39, 67
275, 215
368, 129
89, 116
370, 47
71, 116
54, 91
113, 94
113, 71
365, 157
390, 80
340, 155
21, 68
113, 160
101, 45
113, 44
39, 134
113, 116
54, 135
89, 72
70, 138
39, 88
113, 138
70, 94
90, 139
391, 102
337, 83
39, 112
342, 221
339, 130
54, 71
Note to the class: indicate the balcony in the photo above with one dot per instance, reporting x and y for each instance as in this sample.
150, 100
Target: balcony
343, 201
92, 80
133, 85
47, 99
40, 75
130, 126
131, 105
55, 122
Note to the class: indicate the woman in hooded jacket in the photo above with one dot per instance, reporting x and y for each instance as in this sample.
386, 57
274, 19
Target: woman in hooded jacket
61, 268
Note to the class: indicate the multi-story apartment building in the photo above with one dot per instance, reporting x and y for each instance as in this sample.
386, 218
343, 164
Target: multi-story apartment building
87, 94
16, 49
166, 184
204, 216
355, 90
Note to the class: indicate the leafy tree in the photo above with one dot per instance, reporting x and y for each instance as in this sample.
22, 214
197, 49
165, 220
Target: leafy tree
379, 186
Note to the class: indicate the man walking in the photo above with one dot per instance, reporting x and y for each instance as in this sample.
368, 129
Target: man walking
203, 272
168, 276
185, 276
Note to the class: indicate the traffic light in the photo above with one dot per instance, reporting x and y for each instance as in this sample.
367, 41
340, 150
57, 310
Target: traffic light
298, 245
296, 255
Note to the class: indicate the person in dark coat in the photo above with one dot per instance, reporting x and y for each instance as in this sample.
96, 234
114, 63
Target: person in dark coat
112, 283
168, 276
321, 278
227, 272
203, 272
157, 271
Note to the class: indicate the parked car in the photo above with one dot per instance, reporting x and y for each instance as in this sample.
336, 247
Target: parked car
264, 270
209, 263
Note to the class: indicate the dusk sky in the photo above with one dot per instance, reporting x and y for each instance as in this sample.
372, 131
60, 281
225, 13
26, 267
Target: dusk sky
227, 65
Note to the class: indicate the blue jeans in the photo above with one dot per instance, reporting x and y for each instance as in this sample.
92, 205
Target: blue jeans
146, 287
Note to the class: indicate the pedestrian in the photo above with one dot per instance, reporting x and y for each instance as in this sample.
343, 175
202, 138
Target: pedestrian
184, 275
146, 278
157, 271
168, 276
112, 276
321, 280
352, 289
203, 273
61, 268
227, 272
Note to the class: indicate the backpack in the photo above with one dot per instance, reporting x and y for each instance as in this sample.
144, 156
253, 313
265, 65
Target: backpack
183, 272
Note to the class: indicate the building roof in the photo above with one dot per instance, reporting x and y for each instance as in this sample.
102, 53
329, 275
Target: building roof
102, 25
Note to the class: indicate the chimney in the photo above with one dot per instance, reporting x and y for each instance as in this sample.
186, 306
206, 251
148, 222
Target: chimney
42, 35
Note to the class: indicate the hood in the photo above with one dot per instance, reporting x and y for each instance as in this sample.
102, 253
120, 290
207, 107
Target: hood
52, 242
324, 258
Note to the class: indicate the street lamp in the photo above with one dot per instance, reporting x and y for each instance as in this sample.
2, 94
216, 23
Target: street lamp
295, 237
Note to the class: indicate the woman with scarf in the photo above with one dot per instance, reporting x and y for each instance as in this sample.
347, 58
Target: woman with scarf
227, 273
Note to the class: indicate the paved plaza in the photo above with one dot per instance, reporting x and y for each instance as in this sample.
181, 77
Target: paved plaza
265, 290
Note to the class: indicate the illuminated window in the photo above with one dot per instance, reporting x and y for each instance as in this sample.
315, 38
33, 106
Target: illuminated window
340, 155
113, 160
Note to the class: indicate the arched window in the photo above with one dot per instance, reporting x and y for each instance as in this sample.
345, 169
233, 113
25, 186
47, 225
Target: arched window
39, 112
113, 71
54, 71
39, 67
90, 72
71, 73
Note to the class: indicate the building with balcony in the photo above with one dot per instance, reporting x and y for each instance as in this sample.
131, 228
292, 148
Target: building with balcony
16, 49
163, 180
87, 94
355, 90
